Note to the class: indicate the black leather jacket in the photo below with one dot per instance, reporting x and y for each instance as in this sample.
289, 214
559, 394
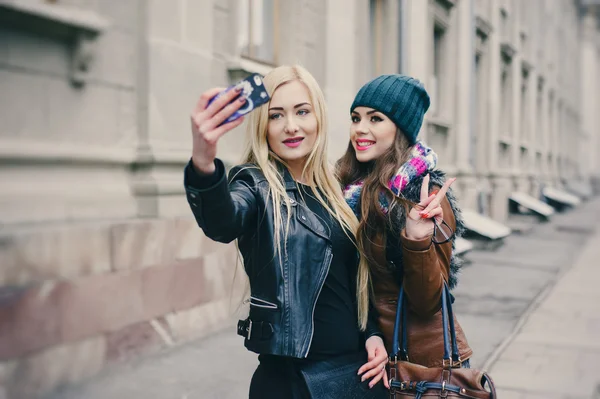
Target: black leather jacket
284, 290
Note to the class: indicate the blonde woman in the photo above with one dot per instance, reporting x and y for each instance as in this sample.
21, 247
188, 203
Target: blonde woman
296, 236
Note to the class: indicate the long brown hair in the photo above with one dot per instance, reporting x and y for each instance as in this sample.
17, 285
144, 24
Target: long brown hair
376, 176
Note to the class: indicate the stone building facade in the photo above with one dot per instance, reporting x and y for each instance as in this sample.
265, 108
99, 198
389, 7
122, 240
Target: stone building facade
100, 258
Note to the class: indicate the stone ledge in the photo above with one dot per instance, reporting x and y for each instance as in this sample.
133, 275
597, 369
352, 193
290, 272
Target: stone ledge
31, 256
66, 252
49, 314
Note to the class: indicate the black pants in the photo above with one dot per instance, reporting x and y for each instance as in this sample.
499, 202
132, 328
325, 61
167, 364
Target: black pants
278, 377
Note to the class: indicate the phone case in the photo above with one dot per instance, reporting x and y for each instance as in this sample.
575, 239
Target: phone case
254, 91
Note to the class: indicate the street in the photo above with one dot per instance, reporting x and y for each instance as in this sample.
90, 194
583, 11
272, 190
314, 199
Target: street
529, 309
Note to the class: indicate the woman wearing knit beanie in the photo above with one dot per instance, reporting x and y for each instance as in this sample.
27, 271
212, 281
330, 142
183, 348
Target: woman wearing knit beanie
408, 214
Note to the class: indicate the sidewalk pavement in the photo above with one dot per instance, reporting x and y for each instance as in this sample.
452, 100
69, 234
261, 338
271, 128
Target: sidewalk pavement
530, 310
556, 351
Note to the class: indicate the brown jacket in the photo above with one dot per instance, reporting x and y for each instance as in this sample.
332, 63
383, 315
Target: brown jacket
425, 267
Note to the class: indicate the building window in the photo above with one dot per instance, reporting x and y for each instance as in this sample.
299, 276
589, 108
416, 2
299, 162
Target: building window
524, 159
525, 109
537, 138
479, 94
549, 132
258, 30
504, 156
506, 100
376, 33
437, 87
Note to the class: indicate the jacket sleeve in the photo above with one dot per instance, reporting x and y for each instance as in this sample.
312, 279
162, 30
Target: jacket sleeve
373, 323
224, 211
426, 266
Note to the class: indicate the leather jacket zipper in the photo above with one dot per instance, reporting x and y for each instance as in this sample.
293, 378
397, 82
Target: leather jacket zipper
329, 255
260, 303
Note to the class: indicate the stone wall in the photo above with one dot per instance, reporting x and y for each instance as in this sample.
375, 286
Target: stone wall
77, 298
60, 141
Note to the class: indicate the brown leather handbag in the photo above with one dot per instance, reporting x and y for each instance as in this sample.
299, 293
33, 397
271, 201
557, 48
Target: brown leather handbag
410, 380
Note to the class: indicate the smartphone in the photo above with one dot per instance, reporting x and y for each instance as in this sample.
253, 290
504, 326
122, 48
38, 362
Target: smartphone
253, 90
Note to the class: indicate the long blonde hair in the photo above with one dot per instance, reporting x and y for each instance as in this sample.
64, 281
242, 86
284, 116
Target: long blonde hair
316, 171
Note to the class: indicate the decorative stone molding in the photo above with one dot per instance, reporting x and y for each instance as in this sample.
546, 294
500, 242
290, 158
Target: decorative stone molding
508, 50
442, 10
590, 23
524, 33
526, 66
482, 29
240, 68
75, 26
446, 3
540, 83
505, 139
507, 45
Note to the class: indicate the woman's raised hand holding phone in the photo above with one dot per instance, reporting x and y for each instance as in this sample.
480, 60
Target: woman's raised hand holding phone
206, 130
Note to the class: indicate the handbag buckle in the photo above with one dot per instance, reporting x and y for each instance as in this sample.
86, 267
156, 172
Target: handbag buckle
249, 329
443, 393
448, 365
392, 374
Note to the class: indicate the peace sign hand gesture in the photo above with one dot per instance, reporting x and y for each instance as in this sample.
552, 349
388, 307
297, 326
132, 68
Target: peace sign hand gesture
423, 217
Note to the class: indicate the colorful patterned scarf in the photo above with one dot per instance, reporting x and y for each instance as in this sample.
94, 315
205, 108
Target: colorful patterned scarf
422, 160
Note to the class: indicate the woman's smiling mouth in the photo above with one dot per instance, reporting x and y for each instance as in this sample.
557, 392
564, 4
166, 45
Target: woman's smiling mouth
362, 145
293, 142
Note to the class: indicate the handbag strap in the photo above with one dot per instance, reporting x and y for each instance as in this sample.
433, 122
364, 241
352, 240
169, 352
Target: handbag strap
448, 328
445, 322
400, 351
455, 353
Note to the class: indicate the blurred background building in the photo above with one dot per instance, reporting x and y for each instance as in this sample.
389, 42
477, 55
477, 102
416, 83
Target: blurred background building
100, 259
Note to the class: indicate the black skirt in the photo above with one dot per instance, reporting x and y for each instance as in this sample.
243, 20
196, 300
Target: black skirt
278, 377
281, 377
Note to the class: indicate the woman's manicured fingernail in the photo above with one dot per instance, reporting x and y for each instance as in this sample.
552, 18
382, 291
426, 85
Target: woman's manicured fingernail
238, 89
242, 99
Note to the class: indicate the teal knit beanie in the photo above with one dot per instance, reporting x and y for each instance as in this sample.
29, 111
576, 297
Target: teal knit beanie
401, 98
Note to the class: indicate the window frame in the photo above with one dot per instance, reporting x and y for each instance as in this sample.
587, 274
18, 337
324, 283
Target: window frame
248, 52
